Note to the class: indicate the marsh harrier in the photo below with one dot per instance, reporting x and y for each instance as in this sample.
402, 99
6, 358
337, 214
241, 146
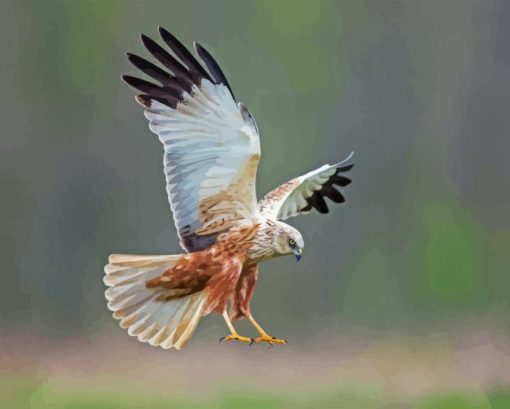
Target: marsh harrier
211, 153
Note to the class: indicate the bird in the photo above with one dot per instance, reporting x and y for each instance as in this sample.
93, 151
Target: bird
211, 153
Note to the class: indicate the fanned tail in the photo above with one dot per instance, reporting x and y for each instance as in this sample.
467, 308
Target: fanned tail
145, 312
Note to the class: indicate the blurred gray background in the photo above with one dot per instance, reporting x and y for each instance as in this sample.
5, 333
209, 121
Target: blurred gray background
419, 90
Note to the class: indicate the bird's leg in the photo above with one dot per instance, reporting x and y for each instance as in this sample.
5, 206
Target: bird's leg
264, 337
233, 333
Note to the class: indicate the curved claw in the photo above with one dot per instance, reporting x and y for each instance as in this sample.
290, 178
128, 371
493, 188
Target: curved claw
221, 339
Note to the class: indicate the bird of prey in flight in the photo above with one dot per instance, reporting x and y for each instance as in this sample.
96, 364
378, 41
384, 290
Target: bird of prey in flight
211, 153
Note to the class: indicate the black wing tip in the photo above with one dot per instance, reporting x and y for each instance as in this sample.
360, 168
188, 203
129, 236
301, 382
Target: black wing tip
151, 92
144, 100
345, 182
340, 180
201, 51
204, 55
149, 43
180, 50
170, 39
340, 198
166, 35
138, 83
213, 67
184, 71
136, 60
135, 81
317, 201
133, 56
333, 194
129, 79
328, 190
198, 48
345, 168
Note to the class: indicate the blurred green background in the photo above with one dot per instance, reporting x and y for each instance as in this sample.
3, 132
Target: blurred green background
402, 297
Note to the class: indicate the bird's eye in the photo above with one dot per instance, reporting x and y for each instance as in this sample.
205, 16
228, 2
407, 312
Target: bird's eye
292, 242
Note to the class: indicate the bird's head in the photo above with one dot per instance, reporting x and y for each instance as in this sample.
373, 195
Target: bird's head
289, 241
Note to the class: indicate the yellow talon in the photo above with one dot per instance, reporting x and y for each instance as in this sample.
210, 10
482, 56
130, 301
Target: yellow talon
263, 336
236, 337
270, 340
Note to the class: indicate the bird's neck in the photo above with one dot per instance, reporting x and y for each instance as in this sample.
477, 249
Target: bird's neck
263, 243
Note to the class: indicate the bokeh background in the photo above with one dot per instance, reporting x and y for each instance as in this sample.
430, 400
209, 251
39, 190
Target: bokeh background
402, 297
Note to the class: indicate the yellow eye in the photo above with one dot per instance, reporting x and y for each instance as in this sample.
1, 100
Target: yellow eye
292, 242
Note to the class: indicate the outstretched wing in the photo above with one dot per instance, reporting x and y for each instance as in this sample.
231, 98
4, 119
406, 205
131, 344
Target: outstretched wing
211, 143
303, 193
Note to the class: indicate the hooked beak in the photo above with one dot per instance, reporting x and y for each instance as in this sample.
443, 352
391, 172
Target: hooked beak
297, 253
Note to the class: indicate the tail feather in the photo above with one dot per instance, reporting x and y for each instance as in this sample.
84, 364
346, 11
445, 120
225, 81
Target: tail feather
189, 321
146, 315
